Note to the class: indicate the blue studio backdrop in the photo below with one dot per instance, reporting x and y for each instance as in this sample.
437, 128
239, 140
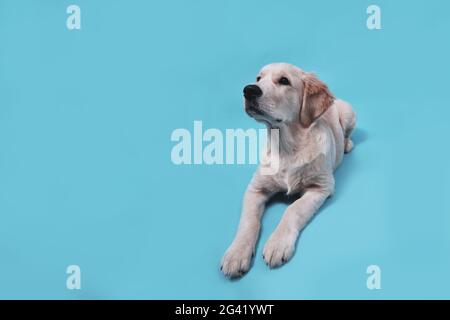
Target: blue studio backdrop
87, 179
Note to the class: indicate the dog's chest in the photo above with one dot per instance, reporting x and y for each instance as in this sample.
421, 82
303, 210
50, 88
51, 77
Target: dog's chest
293, 177
290, 180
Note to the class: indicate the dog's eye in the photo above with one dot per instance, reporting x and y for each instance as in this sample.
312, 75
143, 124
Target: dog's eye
284, 81
258, 78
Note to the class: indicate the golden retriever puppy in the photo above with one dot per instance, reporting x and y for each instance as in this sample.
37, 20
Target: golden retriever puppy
314, 132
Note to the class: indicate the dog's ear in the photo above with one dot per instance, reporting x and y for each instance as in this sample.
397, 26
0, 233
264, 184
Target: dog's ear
316, 99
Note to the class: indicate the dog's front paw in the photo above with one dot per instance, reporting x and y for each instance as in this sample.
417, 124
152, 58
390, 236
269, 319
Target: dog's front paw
279, 248
236, 260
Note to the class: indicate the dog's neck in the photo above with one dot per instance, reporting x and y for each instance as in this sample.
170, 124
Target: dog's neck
289, 137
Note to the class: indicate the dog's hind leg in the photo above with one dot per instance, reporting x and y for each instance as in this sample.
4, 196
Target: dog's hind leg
347, 118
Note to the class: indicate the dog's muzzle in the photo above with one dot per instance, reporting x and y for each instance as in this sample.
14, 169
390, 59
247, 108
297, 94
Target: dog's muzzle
252, 92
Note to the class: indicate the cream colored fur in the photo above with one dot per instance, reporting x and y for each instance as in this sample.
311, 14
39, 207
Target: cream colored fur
314, 130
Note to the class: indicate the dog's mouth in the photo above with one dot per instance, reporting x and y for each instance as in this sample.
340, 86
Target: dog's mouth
254, 111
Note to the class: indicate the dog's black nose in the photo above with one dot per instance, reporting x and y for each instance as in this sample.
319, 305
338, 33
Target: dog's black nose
252, 92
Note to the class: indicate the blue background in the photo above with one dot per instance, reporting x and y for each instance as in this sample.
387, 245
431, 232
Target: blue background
85, 171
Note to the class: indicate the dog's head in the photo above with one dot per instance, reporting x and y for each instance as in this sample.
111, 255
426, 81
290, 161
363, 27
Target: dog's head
284, 93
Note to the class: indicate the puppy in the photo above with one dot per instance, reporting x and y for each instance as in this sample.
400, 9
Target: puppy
314, 132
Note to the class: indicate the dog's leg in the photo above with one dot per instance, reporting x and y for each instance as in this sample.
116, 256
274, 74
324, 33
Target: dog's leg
281, 244
347, 118
237, 258
348, 143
